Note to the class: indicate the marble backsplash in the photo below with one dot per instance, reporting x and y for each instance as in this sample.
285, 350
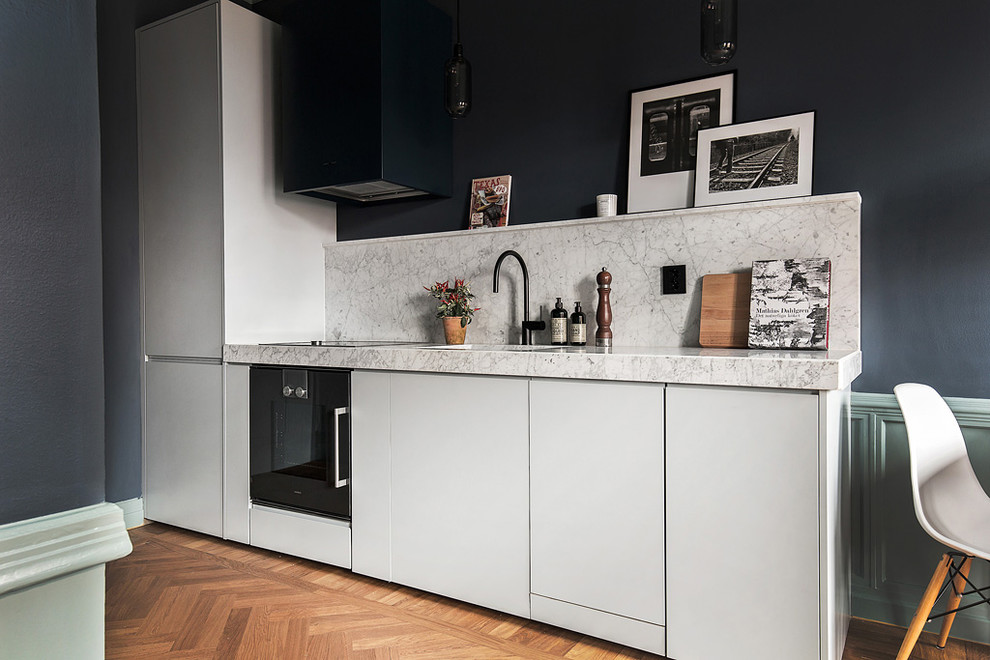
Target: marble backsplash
375, 287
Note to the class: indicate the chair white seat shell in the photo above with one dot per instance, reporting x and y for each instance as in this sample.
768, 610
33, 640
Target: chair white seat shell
949, 502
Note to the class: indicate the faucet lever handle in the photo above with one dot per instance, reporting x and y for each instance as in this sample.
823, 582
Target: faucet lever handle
534, 325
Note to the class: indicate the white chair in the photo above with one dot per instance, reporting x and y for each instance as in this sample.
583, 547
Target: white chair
949, 502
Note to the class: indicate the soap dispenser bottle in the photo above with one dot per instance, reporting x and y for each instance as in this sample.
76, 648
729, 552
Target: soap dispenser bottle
558, 324
579, 326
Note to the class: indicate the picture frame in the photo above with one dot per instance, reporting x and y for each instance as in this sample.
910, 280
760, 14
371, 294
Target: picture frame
663, 127
766, 159
489, 204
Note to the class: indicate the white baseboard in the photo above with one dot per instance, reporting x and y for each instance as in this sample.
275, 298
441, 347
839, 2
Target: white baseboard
133, 512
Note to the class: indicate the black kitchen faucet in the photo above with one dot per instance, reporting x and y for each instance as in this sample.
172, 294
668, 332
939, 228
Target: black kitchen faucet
527, 325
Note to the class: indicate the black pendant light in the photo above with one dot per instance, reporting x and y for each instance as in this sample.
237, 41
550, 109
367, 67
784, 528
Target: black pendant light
718, 30
457, 78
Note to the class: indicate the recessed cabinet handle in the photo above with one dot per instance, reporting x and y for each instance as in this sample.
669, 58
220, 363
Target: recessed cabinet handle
337, 412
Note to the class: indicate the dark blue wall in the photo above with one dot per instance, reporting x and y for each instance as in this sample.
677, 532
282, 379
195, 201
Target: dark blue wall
901, 94
51, 332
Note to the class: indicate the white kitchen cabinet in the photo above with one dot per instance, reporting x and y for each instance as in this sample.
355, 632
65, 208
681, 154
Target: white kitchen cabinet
296, 533
181, 186
460, 487
597, 508
371, 474
753, 540
225, 256
677, 519
236, 452
184, 460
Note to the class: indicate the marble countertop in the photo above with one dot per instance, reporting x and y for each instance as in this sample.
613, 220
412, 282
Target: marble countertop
807, 370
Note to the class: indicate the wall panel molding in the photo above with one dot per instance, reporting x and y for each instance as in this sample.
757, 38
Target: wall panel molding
48, 547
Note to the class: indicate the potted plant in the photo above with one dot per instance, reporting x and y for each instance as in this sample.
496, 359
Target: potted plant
454, 308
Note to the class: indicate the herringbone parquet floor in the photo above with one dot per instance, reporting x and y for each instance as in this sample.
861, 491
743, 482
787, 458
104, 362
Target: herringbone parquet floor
186, 595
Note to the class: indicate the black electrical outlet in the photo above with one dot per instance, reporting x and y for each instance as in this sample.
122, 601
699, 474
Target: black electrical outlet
674, 279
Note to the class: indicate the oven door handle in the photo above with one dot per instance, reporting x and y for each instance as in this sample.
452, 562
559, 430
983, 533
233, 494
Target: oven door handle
337, 412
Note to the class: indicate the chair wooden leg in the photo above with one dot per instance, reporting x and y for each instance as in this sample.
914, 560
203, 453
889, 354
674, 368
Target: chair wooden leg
924, 608
958, 586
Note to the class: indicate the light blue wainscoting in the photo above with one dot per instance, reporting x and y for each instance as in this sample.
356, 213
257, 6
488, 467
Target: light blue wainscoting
892, 557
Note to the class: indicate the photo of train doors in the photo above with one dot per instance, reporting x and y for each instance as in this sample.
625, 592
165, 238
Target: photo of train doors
670, 131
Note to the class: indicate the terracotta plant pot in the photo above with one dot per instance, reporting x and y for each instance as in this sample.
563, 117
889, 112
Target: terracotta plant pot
453, 332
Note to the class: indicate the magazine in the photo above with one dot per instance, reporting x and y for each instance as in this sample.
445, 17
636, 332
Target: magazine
789, 304
490, 202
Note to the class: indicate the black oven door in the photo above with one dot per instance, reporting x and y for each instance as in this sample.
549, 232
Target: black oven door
300, 440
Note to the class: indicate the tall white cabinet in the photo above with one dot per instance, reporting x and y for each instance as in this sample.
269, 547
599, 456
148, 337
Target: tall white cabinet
225, 257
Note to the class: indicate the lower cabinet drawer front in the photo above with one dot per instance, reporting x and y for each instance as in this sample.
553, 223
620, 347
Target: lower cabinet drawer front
612, 627
310, 537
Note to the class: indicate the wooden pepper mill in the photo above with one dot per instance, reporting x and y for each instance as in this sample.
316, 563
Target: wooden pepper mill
603, 336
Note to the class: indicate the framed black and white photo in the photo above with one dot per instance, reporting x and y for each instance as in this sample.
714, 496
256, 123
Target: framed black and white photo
767, 159
663, 139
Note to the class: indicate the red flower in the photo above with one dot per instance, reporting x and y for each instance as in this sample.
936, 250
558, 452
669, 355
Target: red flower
453, 300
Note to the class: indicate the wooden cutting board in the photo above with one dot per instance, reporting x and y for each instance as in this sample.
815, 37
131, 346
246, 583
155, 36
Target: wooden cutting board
725, 310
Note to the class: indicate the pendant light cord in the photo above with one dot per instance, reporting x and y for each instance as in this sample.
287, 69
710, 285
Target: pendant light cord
458, 21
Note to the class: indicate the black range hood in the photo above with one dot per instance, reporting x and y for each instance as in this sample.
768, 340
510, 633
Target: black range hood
362, 100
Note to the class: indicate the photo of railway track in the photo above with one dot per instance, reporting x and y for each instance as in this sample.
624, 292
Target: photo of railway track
762, 160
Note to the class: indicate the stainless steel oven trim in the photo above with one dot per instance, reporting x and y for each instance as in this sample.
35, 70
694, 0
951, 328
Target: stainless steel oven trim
337, 412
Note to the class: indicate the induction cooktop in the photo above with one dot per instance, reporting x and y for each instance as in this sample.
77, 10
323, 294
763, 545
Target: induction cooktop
345, 343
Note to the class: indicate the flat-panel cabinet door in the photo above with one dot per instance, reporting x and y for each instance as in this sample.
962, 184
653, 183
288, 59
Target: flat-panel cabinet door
180, 185
370, 474
597, 490
184, 445
460, 482
742, 524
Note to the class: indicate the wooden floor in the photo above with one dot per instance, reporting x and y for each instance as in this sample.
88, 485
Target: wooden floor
185, 595
869, 640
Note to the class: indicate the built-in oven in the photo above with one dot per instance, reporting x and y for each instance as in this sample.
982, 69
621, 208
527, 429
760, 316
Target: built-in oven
300, 440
